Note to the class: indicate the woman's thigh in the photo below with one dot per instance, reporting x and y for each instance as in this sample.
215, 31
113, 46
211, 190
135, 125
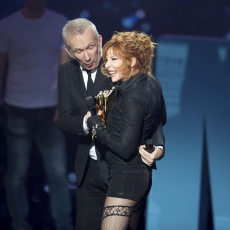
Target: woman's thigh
129, 182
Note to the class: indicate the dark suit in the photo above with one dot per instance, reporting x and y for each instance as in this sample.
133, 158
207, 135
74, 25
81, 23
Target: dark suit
72, 109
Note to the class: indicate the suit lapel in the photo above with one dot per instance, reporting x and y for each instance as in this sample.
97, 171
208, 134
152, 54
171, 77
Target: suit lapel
99, 81
78, 80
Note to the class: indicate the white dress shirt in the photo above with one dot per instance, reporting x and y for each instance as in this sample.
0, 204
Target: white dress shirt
92, 151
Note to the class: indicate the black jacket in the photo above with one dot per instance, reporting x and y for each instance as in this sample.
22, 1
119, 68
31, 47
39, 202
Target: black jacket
72, 109
139, 108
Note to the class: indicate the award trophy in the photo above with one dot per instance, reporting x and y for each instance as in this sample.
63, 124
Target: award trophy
104, 101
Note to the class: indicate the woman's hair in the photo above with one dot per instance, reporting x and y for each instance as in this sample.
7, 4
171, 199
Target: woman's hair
77, 26
126, 45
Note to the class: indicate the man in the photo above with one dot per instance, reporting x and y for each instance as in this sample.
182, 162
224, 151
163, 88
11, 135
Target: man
31, 42
84, 44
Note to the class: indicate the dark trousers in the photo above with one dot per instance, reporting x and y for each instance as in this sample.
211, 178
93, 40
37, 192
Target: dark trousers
25, 127
90, 199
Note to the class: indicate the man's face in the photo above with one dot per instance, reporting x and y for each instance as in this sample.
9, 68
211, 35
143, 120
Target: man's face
85, 48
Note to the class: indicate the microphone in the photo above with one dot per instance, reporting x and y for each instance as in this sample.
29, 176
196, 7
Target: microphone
90, 105
149, 145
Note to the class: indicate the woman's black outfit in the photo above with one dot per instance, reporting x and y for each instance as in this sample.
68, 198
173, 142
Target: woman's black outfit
132, 120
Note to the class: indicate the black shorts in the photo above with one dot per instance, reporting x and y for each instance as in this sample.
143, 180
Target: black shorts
131, 182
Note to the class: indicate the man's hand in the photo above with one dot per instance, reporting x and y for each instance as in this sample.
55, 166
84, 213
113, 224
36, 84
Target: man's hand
88, 114
150, 158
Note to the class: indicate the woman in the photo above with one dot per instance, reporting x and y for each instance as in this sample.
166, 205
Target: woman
132, 120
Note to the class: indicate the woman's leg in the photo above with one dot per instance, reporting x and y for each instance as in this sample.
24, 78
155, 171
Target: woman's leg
135, 218
117, 213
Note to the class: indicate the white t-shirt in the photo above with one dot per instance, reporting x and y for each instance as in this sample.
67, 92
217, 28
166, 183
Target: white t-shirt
33, 48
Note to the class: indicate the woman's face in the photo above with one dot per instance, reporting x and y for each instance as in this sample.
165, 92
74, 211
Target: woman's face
112, 64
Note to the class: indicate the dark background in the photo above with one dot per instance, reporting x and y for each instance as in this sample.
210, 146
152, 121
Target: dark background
209, 18
193, 65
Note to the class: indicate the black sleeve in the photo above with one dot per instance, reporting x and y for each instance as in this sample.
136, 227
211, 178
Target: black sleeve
131, 122
70, 119
158, 136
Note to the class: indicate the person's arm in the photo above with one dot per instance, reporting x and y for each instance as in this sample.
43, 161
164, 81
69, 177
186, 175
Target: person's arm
125, 143
158, 136
158, 153
2, 73
70, 118
158, 140
3, 57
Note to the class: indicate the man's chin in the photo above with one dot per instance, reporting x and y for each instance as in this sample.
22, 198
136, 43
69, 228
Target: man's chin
90, 67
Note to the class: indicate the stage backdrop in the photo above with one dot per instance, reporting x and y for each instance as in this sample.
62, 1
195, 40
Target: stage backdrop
195, 76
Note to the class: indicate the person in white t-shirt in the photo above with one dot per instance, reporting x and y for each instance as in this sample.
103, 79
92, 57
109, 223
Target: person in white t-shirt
31, 48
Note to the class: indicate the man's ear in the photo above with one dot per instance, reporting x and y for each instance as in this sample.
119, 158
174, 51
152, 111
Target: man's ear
100, 41
69, 53
133, 61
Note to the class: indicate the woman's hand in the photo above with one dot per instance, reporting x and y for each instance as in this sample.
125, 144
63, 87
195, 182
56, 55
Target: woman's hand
92, 121
88, 115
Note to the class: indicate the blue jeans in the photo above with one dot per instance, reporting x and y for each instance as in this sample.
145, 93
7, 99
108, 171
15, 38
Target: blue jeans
25, 127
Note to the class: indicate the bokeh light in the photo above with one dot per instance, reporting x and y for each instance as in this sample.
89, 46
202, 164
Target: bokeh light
84, 14
146, 27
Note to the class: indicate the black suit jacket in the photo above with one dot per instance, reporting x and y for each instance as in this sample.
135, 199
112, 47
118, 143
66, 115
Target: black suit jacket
72, 109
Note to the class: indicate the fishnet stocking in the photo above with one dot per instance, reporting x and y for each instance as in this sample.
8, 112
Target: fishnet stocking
135, 218
117, 213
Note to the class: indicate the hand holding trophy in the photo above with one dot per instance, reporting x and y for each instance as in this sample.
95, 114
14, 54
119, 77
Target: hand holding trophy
100, 105
104, 102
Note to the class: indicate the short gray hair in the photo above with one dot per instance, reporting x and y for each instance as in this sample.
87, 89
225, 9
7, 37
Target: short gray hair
77, 26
